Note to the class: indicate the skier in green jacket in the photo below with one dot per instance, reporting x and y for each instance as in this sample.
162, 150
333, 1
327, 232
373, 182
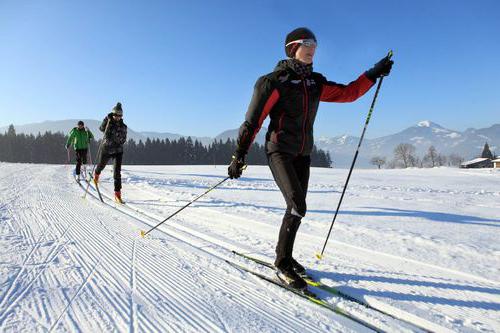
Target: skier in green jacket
79, 138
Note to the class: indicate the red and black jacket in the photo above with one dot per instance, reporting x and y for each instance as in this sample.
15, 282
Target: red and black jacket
292, 103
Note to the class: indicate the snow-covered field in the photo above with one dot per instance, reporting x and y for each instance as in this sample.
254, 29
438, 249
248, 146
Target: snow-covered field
420, 244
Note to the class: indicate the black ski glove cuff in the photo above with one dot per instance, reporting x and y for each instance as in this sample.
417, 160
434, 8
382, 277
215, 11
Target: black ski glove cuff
236, 167
239, 155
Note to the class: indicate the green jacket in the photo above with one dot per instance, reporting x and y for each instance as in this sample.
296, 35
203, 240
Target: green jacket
79, 138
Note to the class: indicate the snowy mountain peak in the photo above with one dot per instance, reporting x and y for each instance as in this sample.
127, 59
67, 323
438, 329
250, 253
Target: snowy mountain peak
424, 123
428, 123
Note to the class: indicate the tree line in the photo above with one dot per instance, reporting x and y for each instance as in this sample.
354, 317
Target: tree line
405, 157
50, 148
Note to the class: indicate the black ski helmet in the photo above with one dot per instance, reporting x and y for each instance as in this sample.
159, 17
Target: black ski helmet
117, 109
299, 33
80, 123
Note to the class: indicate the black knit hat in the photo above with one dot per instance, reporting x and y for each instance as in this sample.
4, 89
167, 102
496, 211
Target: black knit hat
299, 33
117, 109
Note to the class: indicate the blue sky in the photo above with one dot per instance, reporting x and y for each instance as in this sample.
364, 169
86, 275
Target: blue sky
189, 67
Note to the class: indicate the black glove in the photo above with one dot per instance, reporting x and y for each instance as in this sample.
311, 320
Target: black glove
381, 68
236, 167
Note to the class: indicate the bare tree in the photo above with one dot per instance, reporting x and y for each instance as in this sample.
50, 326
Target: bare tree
405, 153
431, 157
441, 160
392, 164
415, 161
455, 160
378, 161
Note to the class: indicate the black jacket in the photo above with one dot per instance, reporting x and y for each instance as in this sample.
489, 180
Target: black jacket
292, 102
115, 135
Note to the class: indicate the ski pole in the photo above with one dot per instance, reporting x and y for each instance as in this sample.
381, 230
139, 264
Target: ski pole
88, 159
144, 233
97, 156
320, 255
69, 159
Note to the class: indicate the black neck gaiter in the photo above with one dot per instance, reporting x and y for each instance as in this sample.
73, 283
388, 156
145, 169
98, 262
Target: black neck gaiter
304, 70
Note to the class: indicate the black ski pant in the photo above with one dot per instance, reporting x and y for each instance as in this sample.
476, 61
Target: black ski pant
291, 174
81, 158
117, 174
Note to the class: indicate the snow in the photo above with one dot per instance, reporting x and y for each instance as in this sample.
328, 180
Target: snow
422, 244
424, 123
474, 161
454, 135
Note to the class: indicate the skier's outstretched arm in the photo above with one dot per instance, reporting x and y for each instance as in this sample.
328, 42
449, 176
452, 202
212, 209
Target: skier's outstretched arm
340, 93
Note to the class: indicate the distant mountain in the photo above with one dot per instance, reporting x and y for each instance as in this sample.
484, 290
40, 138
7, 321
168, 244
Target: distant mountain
172, 136
468, 144
64, 126
233, 134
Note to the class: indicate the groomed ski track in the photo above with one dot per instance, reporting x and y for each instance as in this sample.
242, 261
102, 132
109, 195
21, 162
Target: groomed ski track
80, 265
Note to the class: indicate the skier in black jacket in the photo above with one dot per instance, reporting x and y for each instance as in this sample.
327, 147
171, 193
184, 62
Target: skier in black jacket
290, 95
115, 136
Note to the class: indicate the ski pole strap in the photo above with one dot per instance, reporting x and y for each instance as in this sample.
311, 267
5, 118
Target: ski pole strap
144, 233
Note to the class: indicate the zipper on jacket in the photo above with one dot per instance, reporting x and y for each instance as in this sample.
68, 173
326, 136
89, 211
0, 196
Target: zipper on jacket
306, 107
280, 126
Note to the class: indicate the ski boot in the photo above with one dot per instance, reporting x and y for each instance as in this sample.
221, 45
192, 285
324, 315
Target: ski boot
96, 178
288, 276
298, 268
118, 197
78, 178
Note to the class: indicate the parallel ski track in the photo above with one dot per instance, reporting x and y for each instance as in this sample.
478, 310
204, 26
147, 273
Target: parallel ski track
319, 239
116, 263
417, 317
228, 248
213, 282
203, 213
22, 283
133, 290
216, 285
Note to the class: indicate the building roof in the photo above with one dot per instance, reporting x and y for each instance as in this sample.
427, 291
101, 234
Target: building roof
476, 160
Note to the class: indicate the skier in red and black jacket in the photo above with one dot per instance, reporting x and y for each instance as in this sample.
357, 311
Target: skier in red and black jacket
290, 96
